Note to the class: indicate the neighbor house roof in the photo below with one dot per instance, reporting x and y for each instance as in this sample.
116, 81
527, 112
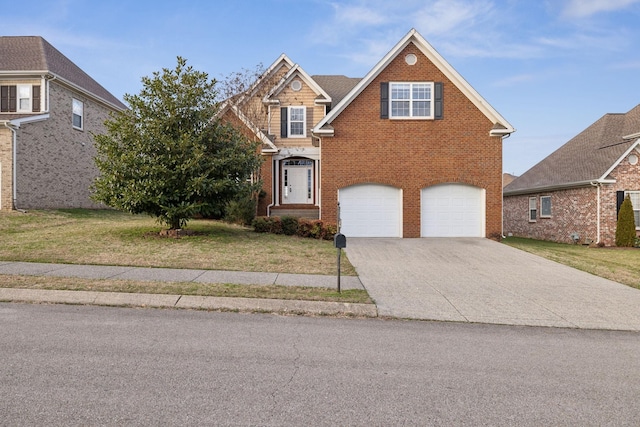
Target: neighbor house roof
34, 55
501, 126
588, 157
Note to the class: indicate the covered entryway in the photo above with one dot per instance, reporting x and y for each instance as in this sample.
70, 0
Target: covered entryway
370, 210
297, 181
452, 210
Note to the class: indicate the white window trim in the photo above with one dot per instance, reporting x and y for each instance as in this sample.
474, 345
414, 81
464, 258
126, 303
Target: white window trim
73, 113
635, 208
431, 115
304, 121
18, 98
542, 214
533, 218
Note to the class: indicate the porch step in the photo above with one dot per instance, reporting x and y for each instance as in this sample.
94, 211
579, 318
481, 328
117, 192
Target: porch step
298, 213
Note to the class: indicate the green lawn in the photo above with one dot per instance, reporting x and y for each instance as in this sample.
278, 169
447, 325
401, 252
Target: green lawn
619, 264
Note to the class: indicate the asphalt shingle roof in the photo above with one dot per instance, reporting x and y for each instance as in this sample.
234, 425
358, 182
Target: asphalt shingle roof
337, 87
34, 53
586, 157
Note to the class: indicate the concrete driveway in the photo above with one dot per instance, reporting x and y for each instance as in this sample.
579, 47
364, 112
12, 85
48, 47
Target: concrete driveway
480, 280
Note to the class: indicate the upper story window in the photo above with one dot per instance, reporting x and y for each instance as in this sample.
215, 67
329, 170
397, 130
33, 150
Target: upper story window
23, 98
411, 100
293, 122
77, 114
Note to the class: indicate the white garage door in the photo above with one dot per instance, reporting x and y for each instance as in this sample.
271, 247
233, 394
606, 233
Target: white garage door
371, 210
452, 210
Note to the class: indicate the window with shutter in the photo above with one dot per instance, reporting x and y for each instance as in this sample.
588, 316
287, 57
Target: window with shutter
411, 100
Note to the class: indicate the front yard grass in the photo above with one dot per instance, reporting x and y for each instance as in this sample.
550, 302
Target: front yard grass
106, 237
618, 264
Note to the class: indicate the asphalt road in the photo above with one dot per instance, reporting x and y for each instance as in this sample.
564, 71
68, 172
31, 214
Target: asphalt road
81, 365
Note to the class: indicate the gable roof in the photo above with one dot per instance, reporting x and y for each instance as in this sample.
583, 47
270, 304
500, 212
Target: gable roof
297, 71
501, 126
34, 55
588, 157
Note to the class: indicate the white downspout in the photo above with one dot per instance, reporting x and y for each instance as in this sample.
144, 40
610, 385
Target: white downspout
597, 185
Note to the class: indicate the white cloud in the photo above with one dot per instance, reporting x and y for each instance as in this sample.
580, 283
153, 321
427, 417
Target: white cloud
586, 8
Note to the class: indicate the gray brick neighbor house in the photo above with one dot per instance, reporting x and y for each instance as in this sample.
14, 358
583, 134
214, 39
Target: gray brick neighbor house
49, 110
574, 194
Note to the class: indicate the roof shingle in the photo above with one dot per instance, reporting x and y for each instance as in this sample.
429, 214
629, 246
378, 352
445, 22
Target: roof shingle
34, 53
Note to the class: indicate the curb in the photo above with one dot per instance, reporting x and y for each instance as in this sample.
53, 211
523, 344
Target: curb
250, 305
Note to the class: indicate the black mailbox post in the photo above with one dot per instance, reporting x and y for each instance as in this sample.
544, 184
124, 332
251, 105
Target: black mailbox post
340, 242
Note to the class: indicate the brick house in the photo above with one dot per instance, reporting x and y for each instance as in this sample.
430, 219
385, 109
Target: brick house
574, 194
409, 150
49, 110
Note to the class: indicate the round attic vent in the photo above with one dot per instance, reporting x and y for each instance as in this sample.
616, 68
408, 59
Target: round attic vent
296, 85
411, 59
633, 159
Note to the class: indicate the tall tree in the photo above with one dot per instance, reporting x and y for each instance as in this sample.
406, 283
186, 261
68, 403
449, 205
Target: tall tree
168, 155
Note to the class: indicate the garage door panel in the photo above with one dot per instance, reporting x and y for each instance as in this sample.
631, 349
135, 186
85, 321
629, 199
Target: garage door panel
452, 210
371, 210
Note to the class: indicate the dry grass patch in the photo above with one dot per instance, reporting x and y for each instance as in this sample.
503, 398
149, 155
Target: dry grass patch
185, 288
618, 264
105, 237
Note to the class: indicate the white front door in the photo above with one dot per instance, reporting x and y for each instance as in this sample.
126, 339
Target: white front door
297, 182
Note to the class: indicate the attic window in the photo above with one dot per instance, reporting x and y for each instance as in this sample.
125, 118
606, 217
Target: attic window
296, 85
411, 59
633, 159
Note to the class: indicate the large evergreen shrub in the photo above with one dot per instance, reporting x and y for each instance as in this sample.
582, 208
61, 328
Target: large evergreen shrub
626, 227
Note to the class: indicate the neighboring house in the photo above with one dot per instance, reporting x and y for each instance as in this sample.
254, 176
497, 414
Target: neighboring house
49, 110
409, 150
574, 195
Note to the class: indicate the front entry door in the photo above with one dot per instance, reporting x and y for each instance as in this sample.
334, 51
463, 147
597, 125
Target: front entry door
297, 182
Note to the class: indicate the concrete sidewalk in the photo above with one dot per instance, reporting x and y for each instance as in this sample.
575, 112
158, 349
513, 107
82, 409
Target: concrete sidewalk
182, 301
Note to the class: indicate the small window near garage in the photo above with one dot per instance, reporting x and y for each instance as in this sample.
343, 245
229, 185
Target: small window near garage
545, 206
78, 114
533, 209
635, 202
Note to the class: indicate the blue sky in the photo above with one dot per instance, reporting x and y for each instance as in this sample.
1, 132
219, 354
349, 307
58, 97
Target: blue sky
550, 67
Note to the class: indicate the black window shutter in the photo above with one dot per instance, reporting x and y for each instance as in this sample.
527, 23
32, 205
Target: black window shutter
438, 112
35, 100
384, 100
4, 98
13, 98
619, 200
283, 122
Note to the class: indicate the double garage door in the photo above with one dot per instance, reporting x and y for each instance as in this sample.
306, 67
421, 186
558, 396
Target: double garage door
446, 210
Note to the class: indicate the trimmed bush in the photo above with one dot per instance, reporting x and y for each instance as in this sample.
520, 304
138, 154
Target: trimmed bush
301, 227
626, 227
241, 211
289, 225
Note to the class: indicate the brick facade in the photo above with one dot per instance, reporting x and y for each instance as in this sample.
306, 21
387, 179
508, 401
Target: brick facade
573, 210
413, 154
55, 166
6, 168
